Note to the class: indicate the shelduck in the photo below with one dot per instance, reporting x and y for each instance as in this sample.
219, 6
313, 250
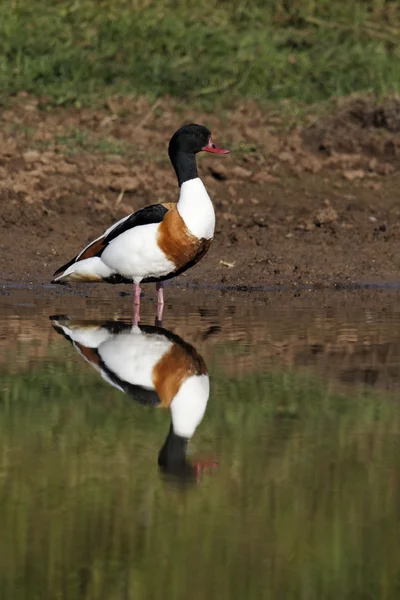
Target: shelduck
156, 368
159, 241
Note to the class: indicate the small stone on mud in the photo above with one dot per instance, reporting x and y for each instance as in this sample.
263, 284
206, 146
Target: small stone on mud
286, 157
264, 177
311, 164
241, 172
326, 215
384, 169
127, 184
354, 174
228, 216
31, 156
373, 185
232, 192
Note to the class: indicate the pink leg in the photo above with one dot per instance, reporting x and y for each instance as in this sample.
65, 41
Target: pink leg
160, 302
136, 304
136, 293
136, 315
160, 310
160, 292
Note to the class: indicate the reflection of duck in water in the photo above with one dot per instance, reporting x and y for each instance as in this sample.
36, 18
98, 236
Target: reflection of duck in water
156, 368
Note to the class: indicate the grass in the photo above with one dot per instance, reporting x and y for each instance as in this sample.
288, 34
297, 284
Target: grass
304, 506
215, 52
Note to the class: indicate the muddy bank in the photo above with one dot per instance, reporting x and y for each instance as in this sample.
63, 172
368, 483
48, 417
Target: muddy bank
316, 203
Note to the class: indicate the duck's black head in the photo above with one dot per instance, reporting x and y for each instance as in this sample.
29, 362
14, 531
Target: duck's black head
191, 139
173, 464
185, 144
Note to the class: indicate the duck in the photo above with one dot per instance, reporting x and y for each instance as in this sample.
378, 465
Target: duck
156, 368
159, 241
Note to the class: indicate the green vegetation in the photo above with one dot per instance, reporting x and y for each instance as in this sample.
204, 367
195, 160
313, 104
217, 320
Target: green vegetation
304, 505
214, 51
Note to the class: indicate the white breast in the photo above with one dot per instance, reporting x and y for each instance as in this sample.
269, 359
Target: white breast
135, 253
132, 356
196, 209
189, 405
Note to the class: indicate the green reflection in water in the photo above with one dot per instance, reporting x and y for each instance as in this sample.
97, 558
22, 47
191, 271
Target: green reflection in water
305, 503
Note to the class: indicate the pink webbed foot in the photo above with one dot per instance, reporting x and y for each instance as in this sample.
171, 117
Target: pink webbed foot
204, 465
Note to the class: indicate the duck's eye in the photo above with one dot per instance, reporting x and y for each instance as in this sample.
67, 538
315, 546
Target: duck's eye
198, 134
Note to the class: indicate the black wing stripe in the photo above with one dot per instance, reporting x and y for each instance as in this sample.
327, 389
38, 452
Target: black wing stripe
145, 216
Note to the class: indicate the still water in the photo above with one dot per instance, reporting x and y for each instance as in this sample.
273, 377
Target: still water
279, 480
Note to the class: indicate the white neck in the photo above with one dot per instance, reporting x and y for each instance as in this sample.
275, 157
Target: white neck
196, 209
189, 405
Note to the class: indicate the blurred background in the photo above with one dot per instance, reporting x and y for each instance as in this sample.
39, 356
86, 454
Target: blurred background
215, 51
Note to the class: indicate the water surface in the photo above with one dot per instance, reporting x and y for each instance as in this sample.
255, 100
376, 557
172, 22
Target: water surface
300, 439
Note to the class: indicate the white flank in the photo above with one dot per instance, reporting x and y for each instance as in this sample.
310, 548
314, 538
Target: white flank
89, 268
132, 356
135, 253
109, 230
196, 209
89, 336
189, 405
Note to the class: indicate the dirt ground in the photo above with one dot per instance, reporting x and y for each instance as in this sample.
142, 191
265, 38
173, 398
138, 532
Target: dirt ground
315, 203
